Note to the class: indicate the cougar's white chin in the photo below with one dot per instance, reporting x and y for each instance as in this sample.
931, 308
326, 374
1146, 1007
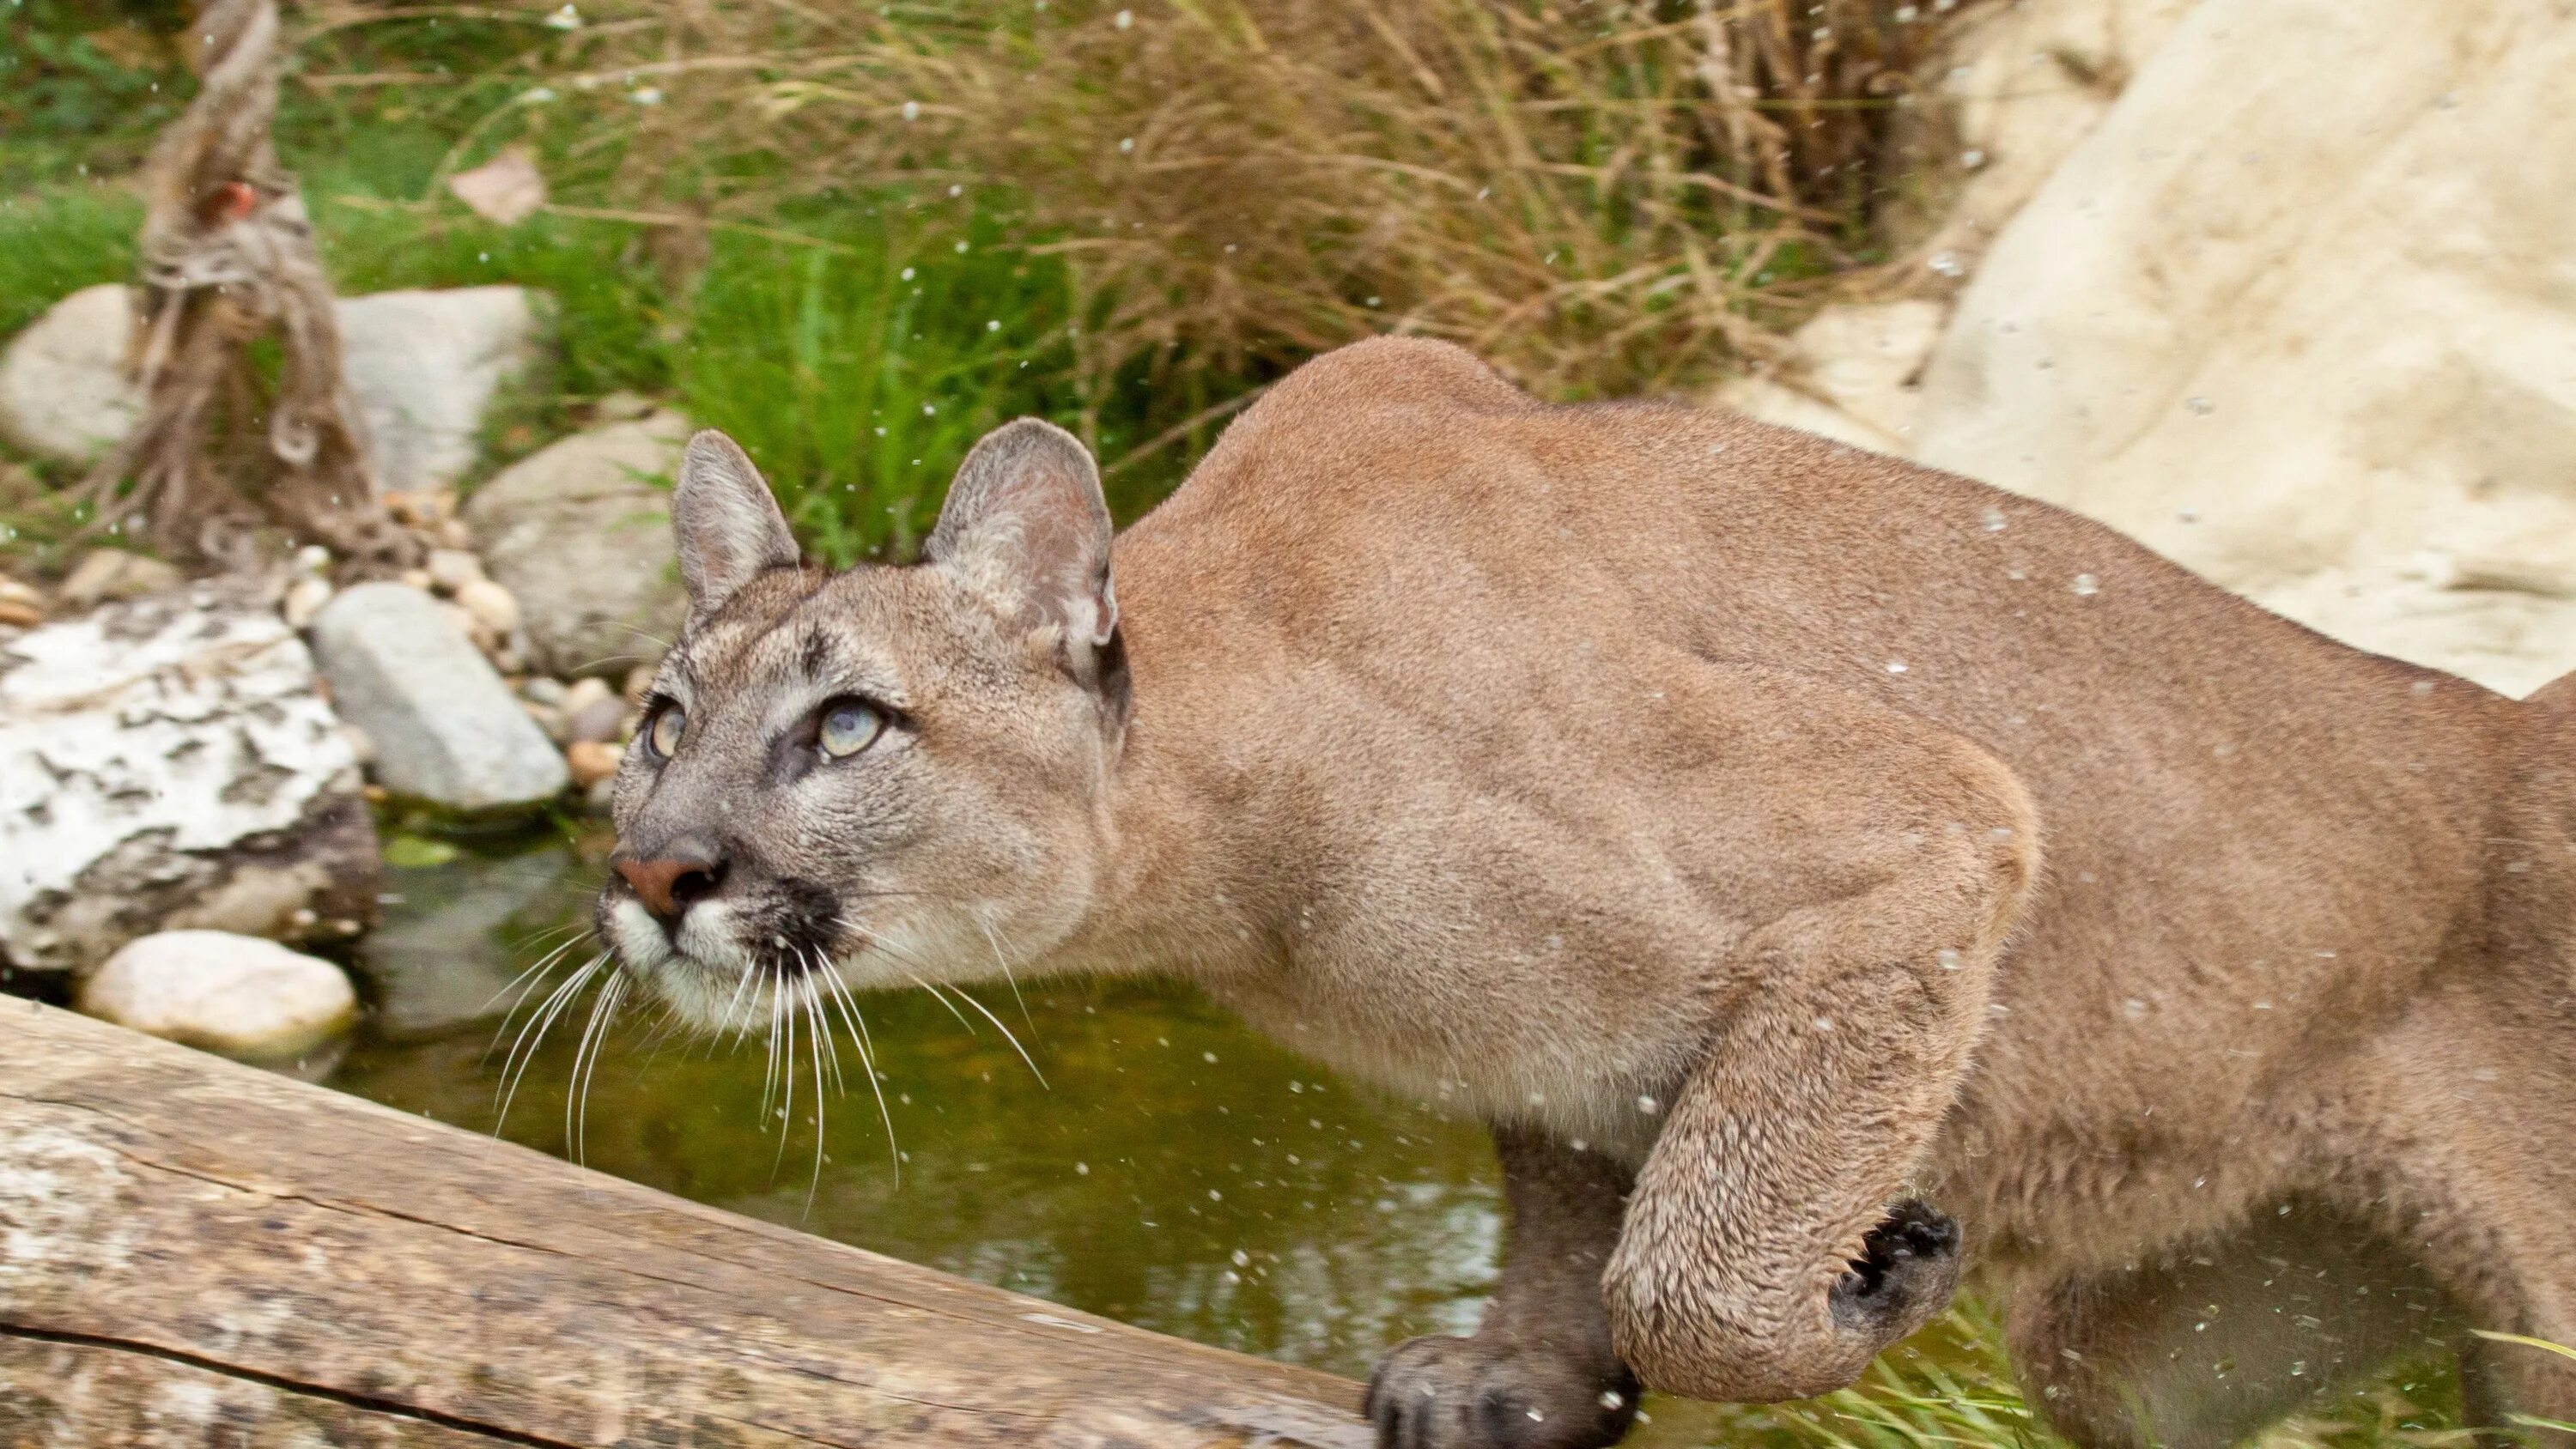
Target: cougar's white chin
704, 976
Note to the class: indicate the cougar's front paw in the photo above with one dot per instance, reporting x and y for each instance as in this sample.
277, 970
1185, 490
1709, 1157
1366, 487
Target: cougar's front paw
1908, 1266
1488, 1393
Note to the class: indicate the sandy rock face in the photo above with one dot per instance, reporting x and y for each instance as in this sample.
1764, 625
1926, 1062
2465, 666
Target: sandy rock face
581, 537
238, 995
445, 727
168, 762
423, 367
1851, 375
2014, 88
2309, 328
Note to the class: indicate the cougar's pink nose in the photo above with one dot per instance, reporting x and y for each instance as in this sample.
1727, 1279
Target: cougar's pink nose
670, 883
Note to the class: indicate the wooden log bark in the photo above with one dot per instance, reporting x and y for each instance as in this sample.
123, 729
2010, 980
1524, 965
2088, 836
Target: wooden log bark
194, 1252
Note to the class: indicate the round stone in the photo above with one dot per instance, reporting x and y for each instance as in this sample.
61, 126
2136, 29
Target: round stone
238, 995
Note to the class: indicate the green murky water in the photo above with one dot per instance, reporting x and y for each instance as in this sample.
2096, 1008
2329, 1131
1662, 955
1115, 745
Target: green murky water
1174, 1171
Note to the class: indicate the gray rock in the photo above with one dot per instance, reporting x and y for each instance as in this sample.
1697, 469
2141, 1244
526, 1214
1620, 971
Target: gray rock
238, 995
63, 392
446, 729
580, 533
456, 935
422, 367
166, 763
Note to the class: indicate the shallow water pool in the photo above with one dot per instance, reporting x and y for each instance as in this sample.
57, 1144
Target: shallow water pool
1172, 1170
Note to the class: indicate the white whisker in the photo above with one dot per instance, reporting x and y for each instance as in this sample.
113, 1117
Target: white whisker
867, 1061
1005, 1031
523, 1052
1004, 962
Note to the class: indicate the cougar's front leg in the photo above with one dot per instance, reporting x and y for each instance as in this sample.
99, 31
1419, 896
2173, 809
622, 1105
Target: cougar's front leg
1771, 1249
1540, 1372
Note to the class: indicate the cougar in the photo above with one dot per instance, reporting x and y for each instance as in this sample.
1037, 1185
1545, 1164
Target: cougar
1820, 872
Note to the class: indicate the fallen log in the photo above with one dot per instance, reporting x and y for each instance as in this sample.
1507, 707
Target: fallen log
194, 1252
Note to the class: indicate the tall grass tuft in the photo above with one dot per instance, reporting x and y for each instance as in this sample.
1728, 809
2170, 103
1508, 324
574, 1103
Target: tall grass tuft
1600, 197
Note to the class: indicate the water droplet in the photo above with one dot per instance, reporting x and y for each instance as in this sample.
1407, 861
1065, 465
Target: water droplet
2086, 586
1127, 145
1126, 18
1646, 1105
1896, 666
1993, 518
1948, 956
1948, 263
912, 110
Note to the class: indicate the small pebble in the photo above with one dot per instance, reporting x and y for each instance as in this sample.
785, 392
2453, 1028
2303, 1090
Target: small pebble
601, 720
304, 599
490, 606
451, 569
592, 761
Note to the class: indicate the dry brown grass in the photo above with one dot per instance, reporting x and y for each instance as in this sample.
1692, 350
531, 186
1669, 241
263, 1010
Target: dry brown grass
1601, 197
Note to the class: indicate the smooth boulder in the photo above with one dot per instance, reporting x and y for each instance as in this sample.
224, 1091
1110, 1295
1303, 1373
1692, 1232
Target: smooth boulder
580, 534
237, 995
169, 762
423, 367
2305, 324
446, 729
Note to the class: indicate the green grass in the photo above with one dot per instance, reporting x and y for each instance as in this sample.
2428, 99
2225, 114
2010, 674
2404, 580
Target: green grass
856, 367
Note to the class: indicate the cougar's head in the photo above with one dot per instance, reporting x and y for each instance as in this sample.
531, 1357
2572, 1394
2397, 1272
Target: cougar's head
877, 776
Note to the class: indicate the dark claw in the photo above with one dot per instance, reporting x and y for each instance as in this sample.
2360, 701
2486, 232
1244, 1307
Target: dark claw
1909, 1260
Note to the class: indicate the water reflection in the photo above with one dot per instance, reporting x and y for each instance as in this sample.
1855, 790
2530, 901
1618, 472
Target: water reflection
1179, 1173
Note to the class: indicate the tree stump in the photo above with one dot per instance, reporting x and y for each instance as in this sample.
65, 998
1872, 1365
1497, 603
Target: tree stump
227, 259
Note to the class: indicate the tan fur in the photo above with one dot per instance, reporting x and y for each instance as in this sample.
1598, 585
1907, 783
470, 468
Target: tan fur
1766, 831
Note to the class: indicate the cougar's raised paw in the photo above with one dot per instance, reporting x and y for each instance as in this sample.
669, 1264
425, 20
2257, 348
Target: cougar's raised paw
1481, 1393
1908, 1267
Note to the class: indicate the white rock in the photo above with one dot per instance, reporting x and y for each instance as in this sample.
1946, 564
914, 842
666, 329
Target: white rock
63, 392
167, 763
580, 533
238, 995
422, 367
2296, 312
446, 729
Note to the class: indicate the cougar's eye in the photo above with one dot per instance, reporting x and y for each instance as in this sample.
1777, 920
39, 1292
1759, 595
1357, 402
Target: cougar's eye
848, 726
662, 736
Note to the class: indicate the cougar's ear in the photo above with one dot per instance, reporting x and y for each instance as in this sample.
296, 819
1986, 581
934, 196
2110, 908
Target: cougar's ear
1026, 527
729, 528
